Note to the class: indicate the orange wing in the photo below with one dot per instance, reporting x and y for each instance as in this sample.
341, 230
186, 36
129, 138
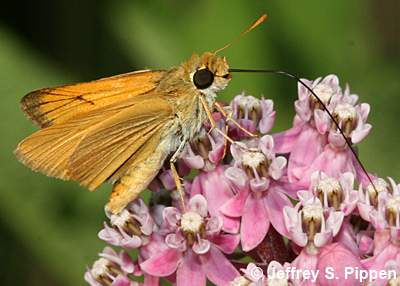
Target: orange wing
50, 106
92, 147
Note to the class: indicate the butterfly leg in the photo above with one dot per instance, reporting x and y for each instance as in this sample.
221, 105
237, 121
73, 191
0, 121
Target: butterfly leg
212, 121
230, 118
177, 179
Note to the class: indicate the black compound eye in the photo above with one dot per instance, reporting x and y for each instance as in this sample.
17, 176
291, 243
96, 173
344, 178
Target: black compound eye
203, 78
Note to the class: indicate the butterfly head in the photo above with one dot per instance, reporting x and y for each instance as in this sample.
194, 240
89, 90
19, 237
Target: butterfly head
209, 72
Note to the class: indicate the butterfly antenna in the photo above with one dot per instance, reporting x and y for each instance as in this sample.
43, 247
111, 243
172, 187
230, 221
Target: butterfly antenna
258, 22
290, 75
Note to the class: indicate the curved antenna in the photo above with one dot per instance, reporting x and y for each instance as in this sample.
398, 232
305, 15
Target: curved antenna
290, 75
258, 22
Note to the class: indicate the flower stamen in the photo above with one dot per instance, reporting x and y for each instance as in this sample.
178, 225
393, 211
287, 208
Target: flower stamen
125, 220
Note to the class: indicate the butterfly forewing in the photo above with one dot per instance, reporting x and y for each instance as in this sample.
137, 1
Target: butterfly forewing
114, 141
50, 106
92, 145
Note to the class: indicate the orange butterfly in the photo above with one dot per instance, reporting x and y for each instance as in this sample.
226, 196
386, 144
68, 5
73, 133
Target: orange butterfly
122, 128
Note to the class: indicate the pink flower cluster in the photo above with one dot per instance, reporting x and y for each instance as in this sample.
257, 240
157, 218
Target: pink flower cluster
291, 208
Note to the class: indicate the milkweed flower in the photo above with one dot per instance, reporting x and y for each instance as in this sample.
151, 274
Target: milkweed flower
206, 150
386, 221
310, 226
313, 228
259, 199
314, 142
129, 229
195, 247
215, 187
338, 195
111, 269
253, 114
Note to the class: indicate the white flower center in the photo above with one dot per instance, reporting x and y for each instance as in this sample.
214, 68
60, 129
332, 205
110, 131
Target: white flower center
240, 281
253, 159
324, 92
393, 204
380, 186
100, 267
249, 102
120, 219
191, 222
328, 185
345, 112
312, 212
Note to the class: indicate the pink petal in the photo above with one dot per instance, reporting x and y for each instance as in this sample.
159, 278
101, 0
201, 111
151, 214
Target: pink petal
176, 241
364, 210
247, 124
167, 180
255, 223
277, 166
190, 271
305, 261
171, 216
365, 244
127, 264
215, 187
293, 226
388, 253
334, 222
217, 267
227, 243
332, 162
214, 225
275, 201
322, 238
359, 134
267, 122
237, 177
322, 121
338, 257
308, 146
151, 280
304, 196
364, 111
302, 91
231, 224
336, 139
196, 186
284, 141
267, 145
237, 150
198, 204
195, 161
216, 154
259, 184
332, 80
163, 264
347, 238
201, 246
235, 206
395, 233
303, 109
121, 281
347, 181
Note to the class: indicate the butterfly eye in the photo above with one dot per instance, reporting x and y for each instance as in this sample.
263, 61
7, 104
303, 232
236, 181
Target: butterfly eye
203, 78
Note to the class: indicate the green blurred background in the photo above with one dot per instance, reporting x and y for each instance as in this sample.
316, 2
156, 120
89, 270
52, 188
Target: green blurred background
48, 228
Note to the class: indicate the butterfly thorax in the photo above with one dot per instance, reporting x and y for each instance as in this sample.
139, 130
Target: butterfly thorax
184, 87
